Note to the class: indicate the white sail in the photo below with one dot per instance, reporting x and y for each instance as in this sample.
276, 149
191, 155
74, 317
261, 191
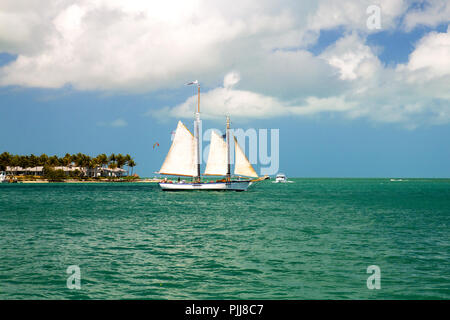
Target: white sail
180, 160
242, 167
217, 159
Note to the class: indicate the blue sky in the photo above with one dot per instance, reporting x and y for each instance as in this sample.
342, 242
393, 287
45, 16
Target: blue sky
87, 94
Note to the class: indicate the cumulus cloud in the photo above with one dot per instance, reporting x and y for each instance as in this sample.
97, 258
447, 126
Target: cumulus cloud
26, 25
245, 104
149, 45
352, 58
431, 55
260, 47
435, 12
411, 94
352, 15
379, 93
143, 46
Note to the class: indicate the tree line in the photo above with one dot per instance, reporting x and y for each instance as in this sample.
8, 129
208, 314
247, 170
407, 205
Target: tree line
80, 160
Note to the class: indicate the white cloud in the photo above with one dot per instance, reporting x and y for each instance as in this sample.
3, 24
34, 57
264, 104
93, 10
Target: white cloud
352, 58
118, 123
431, 55
400, 95
226, 100
147, 45
26, 25
435, 12
352, 15
231, 79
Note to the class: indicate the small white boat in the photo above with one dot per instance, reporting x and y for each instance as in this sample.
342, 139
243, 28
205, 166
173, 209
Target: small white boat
3, 177
281, 178
396, 180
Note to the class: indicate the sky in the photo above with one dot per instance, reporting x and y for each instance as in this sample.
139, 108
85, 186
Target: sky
356, 88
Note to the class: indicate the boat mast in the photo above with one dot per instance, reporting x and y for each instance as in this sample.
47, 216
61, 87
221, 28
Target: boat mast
197, 133
228, 150
197, 177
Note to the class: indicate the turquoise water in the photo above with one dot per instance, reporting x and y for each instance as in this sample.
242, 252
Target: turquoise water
311, 239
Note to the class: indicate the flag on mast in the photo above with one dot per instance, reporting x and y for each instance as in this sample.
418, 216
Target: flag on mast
191, 83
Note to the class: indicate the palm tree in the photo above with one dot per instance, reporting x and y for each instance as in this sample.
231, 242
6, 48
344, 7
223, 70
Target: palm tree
78, 159
73, 158
53, 161
86, 163
34, 162
5, 161
92, 164
102, 159
112, 159
43, 159
15, 162
120, 159
131, 164
112, 165
82, 161
23, 161
66, 160
128, 159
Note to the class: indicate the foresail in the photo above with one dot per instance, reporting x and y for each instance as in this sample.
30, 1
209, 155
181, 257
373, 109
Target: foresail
181, 157
217, 159
242, 167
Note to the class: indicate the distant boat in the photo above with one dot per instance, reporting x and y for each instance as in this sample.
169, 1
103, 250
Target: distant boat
395, 180
3, 177
281, 178
183, 159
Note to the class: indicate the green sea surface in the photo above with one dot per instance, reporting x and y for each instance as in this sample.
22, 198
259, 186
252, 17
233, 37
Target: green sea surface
310, 239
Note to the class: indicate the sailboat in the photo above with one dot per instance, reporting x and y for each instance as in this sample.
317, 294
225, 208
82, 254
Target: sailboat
183, 160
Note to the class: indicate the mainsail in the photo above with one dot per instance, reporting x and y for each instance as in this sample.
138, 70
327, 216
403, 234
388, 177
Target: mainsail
242, 166
217, 159
180, 160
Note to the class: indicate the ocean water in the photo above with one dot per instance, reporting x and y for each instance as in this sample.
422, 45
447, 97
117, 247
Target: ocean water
311, 239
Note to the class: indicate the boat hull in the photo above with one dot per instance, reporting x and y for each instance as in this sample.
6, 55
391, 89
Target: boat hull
216, 186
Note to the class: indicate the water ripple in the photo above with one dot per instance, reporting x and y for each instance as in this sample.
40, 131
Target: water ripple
312, 239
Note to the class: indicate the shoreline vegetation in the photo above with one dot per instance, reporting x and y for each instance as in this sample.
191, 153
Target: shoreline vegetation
72, 168
152, 180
